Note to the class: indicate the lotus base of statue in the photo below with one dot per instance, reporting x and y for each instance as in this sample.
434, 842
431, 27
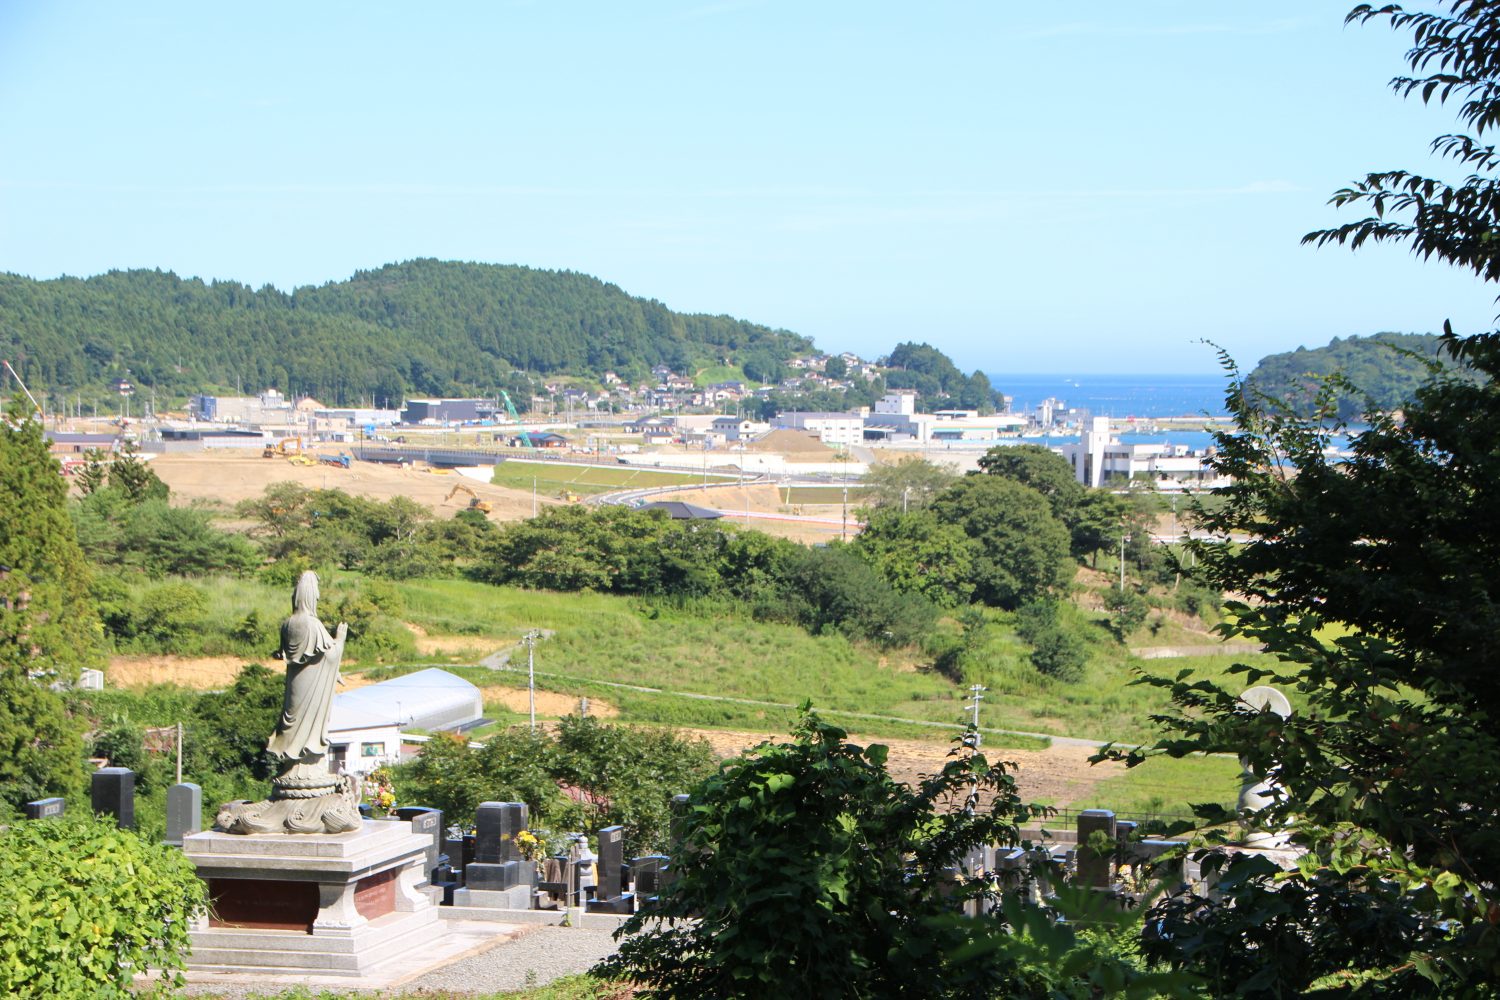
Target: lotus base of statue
303, 800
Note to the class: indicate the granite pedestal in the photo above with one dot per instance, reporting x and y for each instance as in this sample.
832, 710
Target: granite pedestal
332, 904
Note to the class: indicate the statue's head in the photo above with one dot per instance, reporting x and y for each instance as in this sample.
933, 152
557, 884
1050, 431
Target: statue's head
305, 594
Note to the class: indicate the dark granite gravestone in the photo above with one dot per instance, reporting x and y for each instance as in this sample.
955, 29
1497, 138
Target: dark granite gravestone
1096, 868
45, 808
113, 794
646, 872
609, 894
428, 821
498, 864
184, 812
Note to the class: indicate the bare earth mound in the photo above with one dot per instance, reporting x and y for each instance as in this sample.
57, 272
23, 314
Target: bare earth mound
797, 446
228, 479
1059, 775
547, 702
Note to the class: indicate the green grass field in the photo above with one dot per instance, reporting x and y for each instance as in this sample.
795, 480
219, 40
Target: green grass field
821, 494
552, 478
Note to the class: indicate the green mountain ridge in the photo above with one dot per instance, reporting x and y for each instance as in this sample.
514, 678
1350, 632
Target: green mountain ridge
1386, 367
419, 327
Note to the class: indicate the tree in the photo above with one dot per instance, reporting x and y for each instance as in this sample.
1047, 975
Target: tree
836, 367
918, 554
1043, 469
1391, 766
1020, 551
905, 485
49, 629
806, 870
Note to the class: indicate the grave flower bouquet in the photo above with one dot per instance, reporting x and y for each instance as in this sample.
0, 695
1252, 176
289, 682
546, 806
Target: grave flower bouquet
378, 791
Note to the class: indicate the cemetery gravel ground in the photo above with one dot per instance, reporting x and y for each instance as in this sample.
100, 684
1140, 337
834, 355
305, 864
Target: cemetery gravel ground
535, 958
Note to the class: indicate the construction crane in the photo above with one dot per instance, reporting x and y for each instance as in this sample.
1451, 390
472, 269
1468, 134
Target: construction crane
475, 503
516, 418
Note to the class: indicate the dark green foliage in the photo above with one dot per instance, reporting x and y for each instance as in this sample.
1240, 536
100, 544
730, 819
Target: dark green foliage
616, 774
396, 539
832, 588
157, 538
1020, 550
424, 327
809, 872
89, 907
1057, 650
1127, 611
48, 626
938, 383
1382, 371
624, 551
1042, 469
836, 367
1391, 765
231, 727
918, 554
39, 547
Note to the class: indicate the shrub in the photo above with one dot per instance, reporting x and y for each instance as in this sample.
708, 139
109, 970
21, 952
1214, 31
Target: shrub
168, 611
87, 906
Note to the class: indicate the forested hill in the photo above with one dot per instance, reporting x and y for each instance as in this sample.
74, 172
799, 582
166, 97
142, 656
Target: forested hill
1376, 365
421, 327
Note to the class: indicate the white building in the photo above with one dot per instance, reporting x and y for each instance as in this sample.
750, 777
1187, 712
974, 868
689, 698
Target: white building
1099, 459
364, 725
738, 429
838, 429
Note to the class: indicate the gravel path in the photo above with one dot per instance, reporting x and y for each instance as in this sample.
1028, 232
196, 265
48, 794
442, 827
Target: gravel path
533, 959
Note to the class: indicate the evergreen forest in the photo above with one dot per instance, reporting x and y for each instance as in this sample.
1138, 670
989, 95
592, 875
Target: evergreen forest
423, 327
1379, 372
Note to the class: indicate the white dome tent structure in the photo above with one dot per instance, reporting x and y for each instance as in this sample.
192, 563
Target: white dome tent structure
365, 725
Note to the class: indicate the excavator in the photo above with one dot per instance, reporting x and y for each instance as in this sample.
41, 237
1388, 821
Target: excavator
475, 503
285, 448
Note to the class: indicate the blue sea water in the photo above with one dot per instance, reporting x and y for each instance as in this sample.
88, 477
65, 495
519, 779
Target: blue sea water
1118, 396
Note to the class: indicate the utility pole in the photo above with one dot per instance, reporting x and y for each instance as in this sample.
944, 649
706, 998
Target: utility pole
530, 639
1122, 558
905, 490
976, 695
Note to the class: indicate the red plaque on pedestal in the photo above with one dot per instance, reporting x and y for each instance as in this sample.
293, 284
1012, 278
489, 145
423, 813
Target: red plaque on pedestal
263, 904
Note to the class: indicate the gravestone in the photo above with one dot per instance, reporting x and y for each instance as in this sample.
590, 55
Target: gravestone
184, 812
499, 875
609, 894
429, 821
646, 873
112, 791
1096, 868
45, 808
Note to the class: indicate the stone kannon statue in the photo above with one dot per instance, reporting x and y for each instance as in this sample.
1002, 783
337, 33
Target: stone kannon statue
1256, 795
305, 796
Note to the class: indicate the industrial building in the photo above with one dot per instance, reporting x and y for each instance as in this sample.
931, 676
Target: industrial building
364, 725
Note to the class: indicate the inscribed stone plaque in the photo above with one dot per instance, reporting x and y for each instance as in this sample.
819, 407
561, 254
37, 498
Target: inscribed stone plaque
45, 808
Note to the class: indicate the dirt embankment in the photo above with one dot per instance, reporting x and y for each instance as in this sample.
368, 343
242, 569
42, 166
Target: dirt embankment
1059, 775
229, 478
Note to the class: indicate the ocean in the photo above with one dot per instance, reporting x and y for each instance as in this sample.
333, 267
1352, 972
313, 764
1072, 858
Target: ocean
1119, 396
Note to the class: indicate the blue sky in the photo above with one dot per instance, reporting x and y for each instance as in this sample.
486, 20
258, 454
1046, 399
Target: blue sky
1078, 187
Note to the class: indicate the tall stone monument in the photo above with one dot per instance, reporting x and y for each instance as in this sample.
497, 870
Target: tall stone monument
299, 882
305, 796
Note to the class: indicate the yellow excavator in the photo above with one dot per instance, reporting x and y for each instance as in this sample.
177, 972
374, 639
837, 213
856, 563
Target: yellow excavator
285, 448
475, 503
